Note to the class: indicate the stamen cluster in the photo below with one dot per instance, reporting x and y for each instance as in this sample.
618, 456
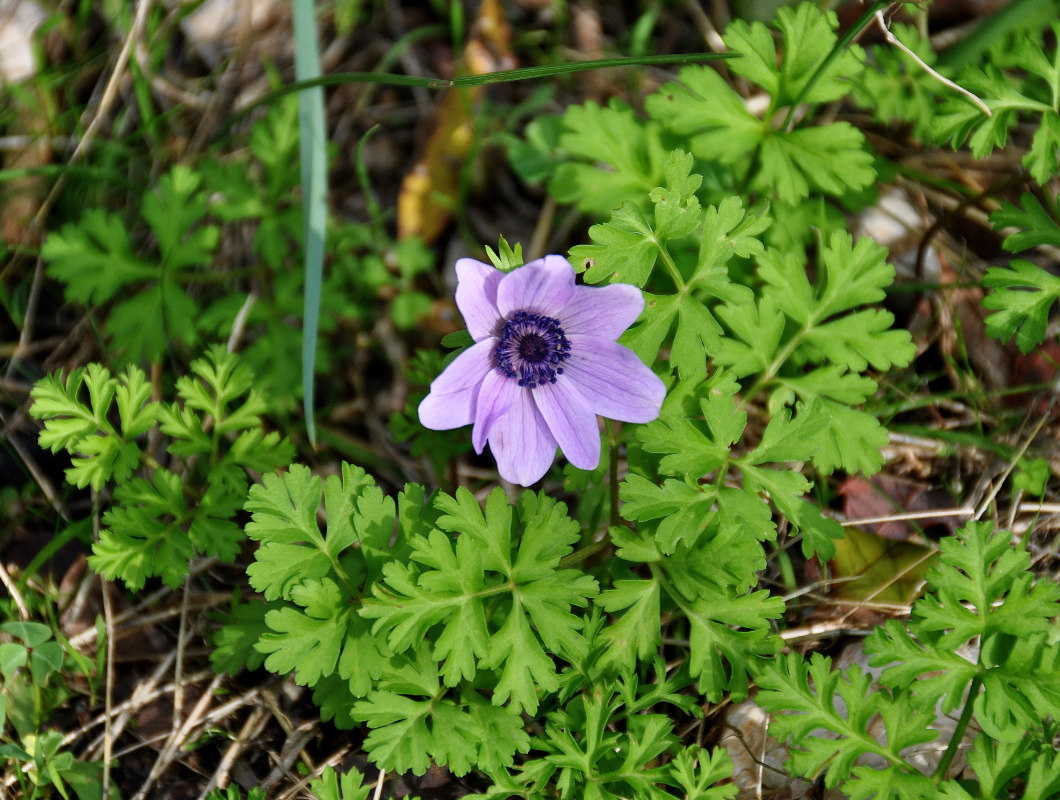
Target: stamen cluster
531, 349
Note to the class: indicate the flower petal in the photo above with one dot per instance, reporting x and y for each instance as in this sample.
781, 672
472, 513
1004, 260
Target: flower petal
544, 286
495, 397
521, 442
476, 297
572, 422
603, 312
451, 401
613, 381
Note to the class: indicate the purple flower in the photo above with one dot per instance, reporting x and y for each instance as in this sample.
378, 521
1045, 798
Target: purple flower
545, 362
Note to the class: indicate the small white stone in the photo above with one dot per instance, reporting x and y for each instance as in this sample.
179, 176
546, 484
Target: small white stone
19, 20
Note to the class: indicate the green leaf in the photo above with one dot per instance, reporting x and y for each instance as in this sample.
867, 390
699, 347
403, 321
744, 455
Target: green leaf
707, 115
407, 733
596, 760
450, 595
958, 116
729, 230
67, 419
682, 506
102, 458
1022, 295
412, 724
254, 450
1021, 685
861, 339
626, 249
704, 111
757, 331
13, 656
628, 246
677, 210
505, 259
713, 622
785, 490
1041, 160
855, 274
483, 605
174, 210
803, 711
636, 634
1037, 224
222, 380
826, 383
829, 158
99, 452
34, 634
93, 258
695, 448
854, 441
727, 554
696, 770
307, 641
144, 534
808, 36
145, 325
331, 786
313, 160
796, 323
891, 781
997, 763
283, 518
932, 672
46, 660
1032, 476
535, 157
137, 414
233, 644
212, 530
363, 658
502, 734
610, 136
787, 438
978, 568
696, 334
1043, 778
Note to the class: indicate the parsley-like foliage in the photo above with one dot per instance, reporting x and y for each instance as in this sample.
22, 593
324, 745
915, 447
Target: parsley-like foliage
983, 639
163, 510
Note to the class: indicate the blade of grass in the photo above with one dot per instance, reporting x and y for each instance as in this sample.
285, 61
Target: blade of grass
375, 210
840, 47
313, 152
503, 76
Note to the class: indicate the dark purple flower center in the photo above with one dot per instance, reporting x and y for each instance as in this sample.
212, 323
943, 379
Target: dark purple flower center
531, 349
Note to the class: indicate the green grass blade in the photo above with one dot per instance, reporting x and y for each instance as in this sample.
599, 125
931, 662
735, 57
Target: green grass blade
313, 152
840, 47
503, 76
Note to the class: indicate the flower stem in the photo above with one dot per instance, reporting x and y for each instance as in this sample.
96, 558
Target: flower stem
778, 361
671, 267
584, 553
958, 732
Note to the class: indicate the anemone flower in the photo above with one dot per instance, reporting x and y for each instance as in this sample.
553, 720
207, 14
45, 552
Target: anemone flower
545, 362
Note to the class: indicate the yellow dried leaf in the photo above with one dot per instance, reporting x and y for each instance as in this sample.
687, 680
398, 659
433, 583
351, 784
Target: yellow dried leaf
429, 190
